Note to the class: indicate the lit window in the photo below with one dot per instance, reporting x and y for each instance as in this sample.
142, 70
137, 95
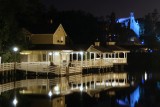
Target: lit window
61, 38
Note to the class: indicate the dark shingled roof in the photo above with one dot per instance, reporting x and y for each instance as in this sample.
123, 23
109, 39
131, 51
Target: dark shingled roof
107, 48
50, 47
82, 47
102, 49
115, 48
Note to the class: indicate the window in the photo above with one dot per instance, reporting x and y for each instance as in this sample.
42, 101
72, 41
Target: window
44, 57
62, 38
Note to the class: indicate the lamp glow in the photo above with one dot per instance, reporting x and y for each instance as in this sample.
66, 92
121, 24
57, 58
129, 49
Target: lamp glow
15, 101
15, 49
56, 88
145, 76
81, 53
50, 93
50, 53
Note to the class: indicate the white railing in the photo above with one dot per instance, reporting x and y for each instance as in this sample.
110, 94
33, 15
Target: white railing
6, 66
117, 60
76, 66
93, 63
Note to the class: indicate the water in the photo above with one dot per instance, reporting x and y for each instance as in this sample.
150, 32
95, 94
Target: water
32, 90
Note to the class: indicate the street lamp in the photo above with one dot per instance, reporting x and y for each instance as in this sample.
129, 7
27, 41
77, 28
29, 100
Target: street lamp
15, 49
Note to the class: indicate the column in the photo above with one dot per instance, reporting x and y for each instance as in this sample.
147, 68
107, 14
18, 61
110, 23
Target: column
94, 58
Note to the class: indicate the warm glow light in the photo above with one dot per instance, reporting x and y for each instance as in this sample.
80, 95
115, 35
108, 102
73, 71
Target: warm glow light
25, 53
50, 53
86, 87
56, 88
81, 53
56, 53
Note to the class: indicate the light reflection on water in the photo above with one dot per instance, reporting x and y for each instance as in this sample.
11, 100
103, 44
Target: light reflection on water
76, 83
66, 84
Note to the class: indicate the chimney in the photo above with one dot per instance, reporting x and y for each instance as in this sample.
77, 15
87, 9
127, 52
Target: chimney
97, 43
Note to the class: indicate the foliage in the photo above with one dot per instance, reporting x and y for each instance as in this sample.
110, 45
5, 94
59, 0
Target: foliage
81, 27
151, 26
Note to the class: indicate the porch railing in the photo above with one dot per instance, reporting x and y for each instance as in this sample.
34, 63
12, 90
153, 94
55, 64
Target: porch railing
75, 67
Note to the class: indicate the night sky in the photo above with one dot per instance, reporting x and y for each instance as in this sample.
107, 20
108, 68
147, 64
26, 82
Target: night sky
122, 8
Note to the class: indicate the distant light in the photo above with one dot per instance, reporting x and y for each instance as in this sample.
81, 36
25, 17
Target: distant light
50, 53
145, 76
142, 42
56, 53
150, 50
15, 49
121, 102
81, 53
15, 101
56, 88
50, 93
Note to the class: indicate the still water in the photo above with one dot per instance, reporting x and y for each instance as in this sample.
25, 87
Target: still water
139, 89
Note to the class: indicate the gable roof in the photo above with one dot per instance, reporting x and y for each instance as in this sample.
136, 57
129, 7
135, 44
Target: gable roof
60, 27
93, 48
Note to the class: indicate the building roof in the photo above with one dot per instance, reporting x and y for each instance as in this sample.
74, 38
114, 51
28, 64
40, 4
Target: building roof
115, 48
93, 48
79, 47
50, 47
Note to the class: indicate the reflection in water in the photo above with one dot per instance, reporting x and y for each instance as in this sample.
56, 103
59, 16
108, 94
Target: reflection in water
91, 84
65, 85
107, 88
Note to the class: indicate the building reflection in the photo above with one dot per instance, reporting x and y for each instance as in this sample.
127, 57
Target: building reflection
68, 84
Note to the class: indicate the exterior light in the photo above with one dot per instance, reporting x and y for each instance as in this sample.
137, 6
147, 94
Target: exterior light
50, 53
81, 53
56, 88
15, 49
56, 53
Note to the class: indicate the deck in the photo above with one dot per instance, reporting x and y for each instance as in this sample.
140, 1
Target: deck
62, 68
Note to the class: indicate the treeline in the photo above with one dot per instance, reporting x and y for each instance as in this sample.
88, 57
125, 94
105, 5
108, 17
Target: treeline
18, 17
